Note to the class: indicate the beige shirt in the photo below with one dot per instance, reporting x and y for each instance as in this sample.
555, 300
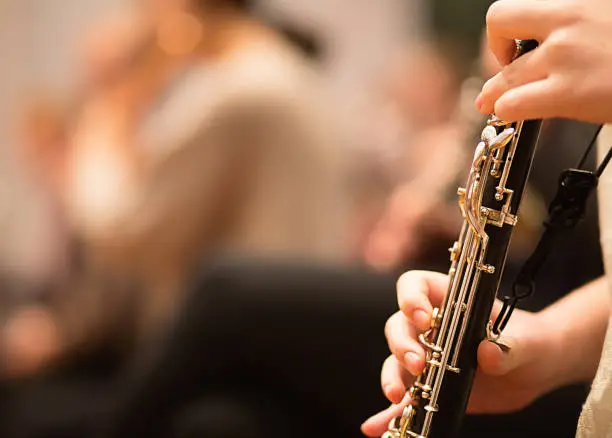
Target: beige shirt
596, 418
251, 124
240, 155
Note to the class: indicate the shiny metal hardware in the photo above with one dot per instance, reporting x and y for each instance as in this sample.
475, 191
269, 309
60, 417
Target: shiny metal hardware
499, 218
454, 252
496, 338
487, 268
443, 341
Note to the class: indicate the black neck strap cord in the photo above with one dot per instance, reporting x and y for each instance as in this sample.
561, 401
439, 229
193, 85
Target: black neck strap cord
566, 210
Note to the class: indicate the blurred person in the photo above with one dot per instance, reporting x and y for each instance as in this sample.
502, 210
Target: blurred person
423, 138
422, 217
211, 139
45, 252
43, 131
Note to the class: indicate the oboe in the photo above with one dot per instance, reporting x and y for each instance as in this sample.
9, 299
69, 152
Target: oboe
489, 204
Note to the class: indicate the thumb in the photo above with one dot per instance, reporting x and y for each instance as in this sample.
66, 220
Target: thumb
507, 353
378, 424
499, 357
511, 350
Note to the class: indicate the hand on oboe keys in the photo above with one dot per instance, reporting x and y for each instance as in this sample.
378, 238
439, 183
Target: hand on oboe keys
567, 76
547, 350
506, 381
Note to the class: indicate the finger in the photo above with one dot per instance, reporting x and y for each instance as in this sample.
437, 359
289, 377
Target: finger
537, 100
378, 424
528, 68
403, 343
492, 360
394, 380
418, 292
510, 20
381, 249
495, 361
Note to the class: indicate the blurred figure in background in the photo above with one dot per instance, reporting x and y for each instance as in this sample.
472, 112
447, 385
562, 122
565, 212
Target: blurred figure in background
423, 132
203, 132
42, 150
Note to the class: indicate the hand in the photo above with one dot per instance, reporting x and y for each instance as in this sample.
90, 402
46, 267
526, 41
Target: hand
396, 237
30, 340
505, 381
567, 76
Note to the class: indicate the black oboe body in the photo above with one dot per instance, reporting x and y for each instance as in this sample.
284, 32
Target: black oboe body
490, 206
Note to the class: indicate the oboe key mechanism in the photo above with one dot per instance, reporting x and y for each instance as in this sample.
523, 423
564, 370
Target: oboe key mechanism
436, 317
495, 338
454, 252
489, 205
489, 269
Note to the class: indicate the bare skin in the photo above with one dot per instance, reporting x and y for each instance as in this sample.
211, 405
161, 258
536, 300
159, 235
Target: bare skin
566, 76
543, 354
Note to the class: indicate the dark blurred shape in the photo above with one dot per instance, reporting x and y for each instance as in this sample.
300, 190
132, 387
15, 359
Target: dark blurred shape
240, 4
461, 21
199, 127
422, 133
303, 40
304, 337
577, 259
306, 42
260, 349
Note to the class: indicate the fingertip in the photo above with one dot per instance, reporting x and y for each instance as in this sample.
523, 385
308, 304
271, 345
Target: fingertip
414, 363
479, 102
394, 393
485, 109
508, 107
376, 425
421, 319
366, 428
491, 92
417, 290
542, 99
408, 281
372, 426
393, 380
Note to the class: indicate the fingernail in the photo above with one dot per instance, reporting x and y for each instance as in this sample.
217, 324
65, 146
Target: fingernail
421, 319
392, 393
413, 363
502, 344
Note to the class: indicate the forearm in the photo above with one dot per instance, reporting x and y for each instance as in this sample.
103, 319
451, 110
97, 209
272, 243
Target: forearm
577, 326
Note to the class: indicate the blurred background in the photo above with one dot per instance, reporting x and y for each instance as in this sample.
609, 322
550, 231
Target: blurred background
204, 205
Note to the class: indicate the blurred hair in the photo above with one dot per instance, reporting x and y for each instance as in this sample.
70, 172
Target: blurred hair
306, 42
239, 4
303, 40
